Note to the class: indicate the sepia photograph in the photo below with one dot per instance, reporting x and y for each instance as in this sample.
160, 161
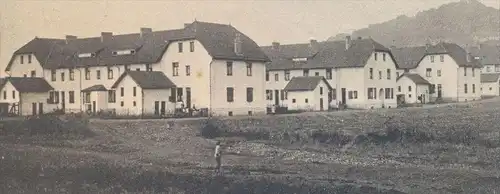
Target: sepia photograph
250, 96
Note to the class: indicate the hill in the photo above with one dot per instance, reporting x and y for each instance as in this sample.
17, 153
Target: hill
464, 22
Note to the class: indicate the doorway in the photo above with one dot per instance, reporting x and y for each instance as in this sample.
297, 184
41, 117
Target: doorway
321, 104
188, 97
93, 107
162, 110
40, 108
440, 91
344, 93
33, 108
63, 100
157, 107
277, 97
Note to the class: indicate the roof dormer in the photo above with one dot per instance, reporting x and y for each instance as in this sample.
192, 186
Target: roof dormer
86, 55
124, 52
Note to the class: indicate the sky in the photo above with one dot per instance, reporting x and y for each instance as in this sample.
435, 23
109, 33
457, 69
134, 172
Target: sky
265, 21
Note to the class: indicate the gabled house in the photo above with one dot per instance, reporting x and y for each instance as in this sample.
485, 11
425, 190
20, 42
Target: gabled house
490, 84
368, 62
453, 73
214, 66
412, 88
307, 93
26, 95
489, 57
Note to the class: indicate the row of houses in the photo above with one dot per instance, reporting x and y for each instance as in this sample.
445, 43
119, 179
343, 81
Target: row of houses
219, 70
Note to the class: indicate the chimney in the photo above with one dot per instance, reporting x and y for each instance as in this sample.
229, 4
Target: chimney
467, 53
427, 46
146, 31
276, 46
70, 38
106, 36
237, 44
347, 42
186, 25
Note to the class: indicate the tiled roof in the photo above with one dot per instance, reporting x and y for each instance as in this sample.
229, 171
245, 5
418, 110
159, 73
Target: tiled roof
28, 84
416, 78
323, 54
217, 39
410, 57
489, 77
147, 79
93, 88
305, 83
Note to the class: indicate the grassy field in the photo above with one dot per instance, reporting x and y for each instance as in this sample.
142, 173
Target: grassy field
447, 149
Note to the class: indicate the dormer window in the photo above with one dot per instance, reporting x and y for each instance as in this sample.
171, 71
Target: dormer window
124, 52
86, 55
299, 59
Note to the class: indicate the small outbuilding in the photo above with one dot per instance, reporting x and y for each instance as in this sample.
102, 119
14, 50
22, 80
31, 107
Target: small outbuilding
490, 84
308, 93
412, 89
26, 95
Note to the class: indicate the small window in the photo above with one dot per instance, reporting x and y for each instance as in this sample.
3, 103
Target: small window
388, 73
134, 91
191, 46
287, 75
379, 74
371, 73
62, 76
230, 94
320, 90
441, 58
122, 91
22, 59
121, 103
428, 72
111, 96
316, 74
137, 69
438, 73
71, 97
249, 113
432, 59
87, 74
175, 69
409, 88
71, 74
465, 88
53, 75
98, 74
376, 56
465, 71
267, 76
383, 56
33, 73
148, 67
188, 70
4, 95
276, 77
229, 68
180, 47
249, 69
473, 88
293, 100
230, 113
13, 94
249, 94
399, 88
133, 103
110, 73
306, 100
306, 72
329, 74
29, 58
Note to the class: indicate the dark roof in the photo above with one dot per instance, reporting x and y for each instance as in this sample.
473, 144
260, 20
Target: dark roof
488, 54
217, 39
305, 83
93, 88
489, 77
328, 54
410, 57
28, 84
147, 79
416, 78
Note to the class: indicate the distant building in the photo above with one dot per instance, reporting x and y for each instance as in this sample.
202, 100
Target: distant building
26, 95
490, 84
413, 88
454, 74
308, 93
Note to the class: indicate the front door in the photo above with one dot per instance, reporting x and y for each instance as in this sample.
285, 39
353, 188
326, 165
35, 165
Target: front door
33, 108
344, 93
277, 97
188, 97
162, 111
321, 104
157, 107
63, 101
93, 107
440, 90
40, 108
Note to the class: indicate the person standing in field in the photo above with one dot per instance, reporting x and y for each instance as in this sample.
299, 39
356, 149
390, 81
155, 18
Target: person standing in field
218, 155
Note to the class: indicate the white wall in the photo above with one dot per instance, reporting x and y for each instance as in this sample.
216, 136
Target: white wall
313, 99
473, 80
9, 94
411, 97
383, 82
449, 75
490, 89
20, 70
27, 99
150, 96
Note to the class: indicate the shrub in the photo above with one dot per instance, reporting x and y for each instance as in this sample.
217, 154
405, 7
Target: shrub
212, 128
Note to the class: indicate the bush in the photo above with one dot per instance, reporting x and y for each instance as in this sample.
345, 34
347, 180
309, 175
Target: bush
212, 128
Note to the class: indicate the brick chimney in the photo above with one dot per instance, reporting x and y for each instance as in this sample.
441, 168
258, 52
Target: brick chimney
106, 36
237, 44
146, 31
313, 43
276, 46
70, 38
347, 42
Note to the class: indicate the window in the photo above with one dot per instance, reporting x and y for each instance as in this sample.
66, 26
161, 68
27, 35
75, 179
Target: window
316, 73
4, 95
441, 58
293, 100
306, 72
87, 97
328, 73
229, 68
388, 93
25, 75
53, 75
409, 88
432, 58
497, 68
87, 73
383, 56
249, 113
249, 94
371, 73
33, 73
188, 70
71, 74
473, 88
388, 74
175, 69
353, 94
121, 103
230, 94
438, 73
179, 94
306, 100
376, 56
488, 69
29, 58
287, 75
127, 68
269, 94
249, 69
372, 93
122, 91
465, 71
71, 97
230, 113
133, 103
334, 94
133, 91
137, 69
392, 93
379, 74
465, 88
320, 90
110, 73
399, 88
148, 67
276, 77
267, 76
111, 96
473, 72
98, 74
62, 76
22, 59
191, 46
428, 72
172, 97
180, 47
282, 94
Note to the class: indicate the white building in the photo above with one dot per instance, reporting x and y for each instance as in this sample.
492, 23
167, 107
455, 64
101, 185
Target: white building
356, 70
412, 88
454, 75
214, 66
307, 93
490, 84
26, 95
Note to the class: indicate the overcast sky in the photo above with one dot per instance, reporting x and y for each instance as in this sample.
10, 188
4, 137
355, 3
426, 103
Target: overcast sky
264, 21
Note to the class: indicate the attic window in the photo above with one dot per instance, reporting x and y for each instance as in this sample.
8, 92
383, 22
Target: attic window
299, 59
86, 55
124, 52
